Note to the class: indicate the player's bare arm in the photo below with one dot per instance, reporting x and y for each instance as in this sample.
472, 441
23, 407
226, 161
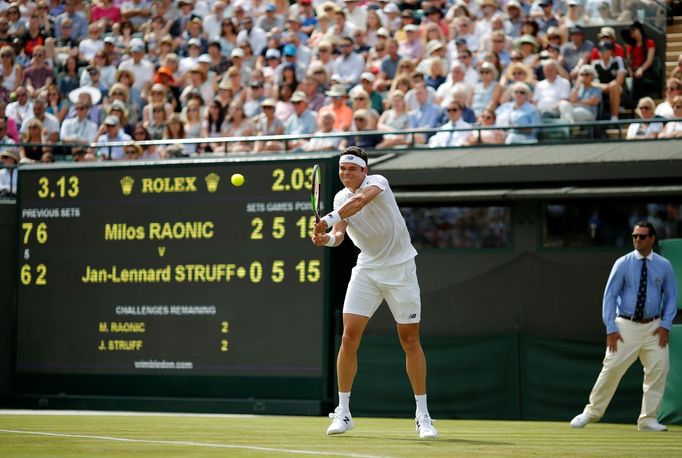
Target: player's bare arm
351, 206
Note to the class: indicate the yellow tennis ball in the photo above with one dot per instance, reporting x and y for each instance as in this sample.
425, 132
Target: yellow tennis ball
237, 179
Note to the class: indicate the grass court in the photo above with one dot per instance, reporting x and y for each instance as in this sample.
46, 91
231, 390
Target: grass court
117, 435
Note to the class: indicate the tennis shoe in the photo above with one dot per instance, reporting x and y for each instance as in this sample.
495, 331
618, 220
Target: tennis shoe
582, 420
652, 426
424, 426
341, 422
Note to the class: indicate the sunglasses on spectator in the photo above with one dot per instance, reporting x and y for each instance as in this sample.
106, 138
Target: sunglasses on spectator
486, 117
586, 74
359, 119
453, 110
678, 107
640, 236
517, 58
644, 107
360, 98
671, 88
520, 92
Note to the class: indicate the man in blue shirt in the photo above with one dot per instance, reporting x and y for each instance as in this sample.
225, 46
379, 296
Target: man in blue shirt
638, 311
302, 121
427, 114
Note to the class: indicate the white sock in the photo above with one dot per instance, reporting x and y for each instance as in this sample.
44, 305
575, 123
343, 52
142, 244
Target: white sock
614, 118
421, 405
344, 401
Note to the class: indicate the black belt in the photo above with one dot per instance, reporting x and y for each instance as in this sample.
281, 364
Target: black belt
642, 321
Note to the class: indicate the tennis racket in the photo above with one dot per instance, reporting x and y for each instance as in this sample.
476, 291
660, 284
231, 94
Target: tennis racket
315, 192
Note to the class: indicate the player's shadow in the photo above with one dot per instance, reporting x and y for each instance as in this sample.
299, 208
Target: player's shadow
436, 441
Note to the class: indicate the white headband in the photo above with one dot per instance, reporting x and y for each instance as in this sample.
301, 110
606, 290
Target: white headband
353, 159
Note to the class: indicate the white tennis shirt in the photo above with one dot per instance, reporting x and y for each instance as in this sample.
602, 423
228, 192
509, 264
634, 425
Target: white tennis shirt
378, 230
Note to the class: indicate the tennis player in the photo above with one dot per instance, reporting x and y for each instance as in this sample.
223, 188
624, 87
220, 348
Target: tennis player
366, 210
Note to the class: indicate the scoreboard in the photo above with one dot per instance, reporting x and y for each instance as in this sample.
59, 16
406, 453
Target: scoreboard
170, 270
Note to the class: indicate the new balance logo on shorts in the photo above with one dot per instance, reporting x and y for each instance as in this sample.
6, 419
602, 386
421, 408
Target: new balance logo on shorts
414, 315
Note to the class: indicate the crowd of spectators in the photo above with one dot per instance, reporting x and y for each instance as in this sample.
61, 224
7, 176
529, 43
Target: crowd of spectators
82, 74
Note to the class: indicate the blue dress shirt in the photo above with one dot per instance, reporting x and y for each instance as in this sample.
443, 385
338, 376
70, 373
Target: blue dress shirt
620, 295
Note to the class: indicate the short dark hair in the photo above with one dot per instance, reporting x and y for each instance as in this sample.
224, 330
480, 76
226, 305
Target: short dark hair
356, 151
648, 225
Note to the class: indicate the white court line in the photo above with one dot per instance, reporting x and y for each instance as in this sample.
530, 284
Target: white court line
189, 444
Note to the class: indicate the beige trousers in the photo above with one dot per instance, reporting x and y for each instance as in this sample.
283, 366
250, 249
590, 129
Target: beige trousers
638, 342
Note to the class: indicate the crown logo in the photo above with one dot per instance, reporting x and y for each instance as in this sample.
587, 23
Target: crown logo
127, 185
212, 180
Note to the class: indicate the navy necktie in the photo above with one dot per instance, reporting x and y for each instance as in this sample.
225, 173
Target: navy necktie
641, 294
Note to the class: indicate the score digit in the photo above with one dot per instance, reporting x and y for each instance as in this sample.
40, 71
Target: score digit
299, 179
41, 232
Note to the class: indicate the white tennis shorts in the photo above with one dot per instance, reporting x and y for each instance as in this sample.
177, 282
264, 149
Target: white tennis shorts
397, 284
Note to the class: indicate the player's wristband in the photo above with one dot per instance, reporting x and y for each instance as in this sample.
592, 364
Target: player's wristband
332, 240
332, 218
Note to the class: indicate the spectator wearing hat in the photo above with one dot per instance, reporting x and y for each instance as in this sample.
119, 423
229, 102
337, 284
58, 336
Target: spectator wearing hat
239, 67
111, 132
214, 21
343, 115
270, 19
610, 78
136, 12
194, 32
392, 14
180, 24
88, 96
197, 82
411, 46
583, 103
489, 9
192, 52
573, 15
256, 36
120, 110
267, 123
529, 48
8, 172
607, 34
435, 51
158, 95
79, 24
139, 66
551, 91
302, 57
355, 14
514, 19
576, 50
349, 65
307, 16
302, 122
547, 18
